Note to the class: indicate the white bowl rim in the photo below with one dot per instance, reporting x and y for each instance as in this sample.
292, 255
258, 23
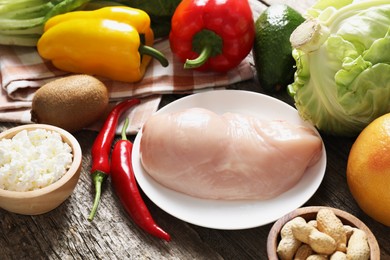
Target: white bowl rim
77, 157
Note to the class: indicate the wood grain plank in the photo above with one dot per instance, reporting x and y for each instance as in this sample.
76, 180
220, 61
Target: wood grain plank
65, 233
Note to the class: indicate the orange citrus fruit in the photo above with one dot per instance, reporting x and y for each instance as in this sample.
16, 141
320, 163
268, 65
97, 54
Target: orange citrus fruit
368, 170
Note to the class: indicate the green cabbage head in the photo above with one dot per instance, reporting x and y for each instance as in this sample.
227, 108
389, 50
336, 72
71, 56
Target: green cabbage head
342, 54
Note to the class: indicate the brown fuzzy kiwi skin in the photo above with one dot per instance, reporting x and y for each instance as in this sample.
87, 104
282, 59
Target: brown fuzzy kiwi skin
72, 102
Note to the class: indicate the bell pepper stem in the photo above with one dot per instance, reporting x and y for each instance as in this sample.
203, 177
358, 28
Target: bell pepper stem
207, 44
150, 51
98, 179
200, 60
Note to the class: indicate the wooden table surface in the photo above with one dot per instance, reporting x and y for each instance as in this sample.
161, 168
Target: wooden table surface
65, 233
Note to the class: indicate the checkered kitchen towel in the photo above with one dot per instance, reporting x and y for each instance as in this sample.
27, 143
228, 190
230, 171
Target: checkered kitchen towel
23, 71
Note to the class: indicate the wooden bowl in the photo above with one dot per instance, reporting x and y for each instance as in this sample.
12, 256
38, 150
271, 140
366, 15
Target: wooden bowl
48, 198
310, 213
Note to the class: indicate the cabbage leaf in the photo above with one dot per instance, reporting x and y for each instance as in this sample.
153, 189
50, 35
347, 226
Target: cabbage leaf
342, 81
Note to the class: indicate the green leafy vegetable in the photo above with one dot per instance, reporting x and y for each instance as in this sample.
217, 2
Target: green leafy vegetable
157, 8
160, 11
21, 21
342, 82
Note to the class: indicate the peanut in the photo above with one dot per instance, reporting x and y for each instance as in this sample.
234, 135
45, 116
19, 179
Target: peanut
317, 257
325, 237
303, 252
301, 230
358, 248
338, 256
329, 223
313, 223
322, 243
288, 245
318, 241
348, 231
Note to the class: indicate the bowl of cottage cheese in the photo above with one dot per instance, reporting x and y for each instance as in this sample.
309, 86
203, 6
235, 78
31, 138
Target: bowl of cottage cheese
39, 168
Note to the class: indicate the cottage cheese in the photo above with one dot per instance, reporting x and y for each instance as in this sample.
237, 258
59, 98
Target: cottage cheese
33, 159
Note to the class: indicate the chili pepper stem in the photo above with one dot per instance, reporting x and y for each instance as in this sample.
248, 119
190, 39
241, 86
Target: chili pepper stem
98, 179
202, 59
150, 51
123, 132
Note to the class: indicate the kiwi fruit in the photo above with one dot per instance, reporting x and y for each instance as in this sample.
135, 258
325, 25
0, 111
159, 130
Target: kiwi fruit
72, 102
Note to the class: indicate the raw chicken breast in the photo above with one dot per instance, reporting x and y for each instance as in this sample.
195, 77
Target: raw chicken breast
229, 156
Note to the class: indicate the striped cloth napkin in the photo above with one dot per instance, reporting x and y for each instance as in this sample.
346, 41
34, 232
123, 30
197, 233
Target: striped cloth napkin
23, 71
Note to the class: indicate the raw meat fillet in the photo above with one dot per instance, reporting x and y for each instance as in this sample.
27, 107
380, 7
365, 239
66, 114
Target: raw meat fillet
229, 156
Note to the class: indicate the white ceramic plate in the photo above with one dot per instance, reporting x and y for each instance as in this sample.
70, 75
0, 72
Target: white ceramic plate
230, 215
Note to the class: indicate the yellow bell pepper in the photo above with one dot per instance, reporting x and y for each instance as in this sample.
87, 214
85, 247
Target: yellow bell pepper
113, 42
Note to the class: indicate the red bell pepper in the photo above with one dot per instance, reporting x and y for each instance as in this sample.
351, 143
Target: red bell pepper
212, 34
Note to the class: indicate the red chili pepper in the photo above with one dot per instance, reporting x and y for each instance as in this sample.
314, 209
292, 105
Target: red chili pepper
101, 150
125, 185
212, 34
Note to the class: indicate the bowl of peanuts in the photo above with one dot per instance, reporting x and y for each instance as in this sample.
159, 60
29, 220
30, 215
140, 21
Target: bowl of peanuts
318, 232
39, 168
